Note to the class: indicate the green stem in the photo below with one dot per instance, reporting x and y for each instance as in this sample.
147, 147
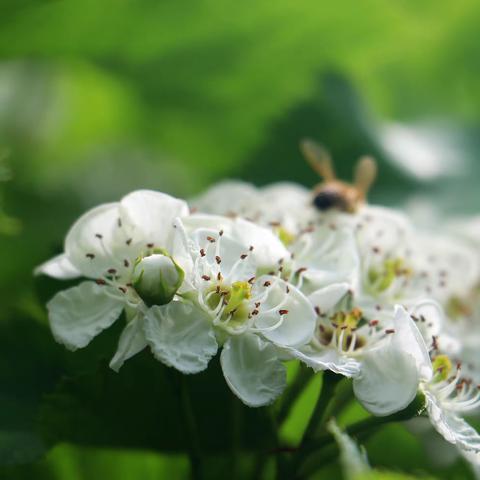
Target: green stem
191, 429
292, 393
263, 456
236, 421
318, 417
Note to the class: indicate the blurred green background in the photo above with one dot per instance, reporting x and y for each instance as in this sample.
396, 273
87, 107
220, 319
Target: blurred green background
99, 97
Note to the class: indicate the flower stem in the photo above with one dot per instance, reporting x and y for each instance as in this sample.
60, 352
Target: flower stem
292, 393
191, 428
317, 419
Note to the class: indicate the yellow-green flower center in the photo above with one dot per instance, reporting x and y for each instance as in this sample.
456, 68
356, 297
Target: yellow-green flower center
442, 366
382, 277
235, 298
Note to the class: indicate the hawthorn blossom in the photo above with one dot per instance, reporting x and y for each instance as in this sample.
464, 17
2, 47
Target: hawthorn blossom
114, 246
448, 394
230, 304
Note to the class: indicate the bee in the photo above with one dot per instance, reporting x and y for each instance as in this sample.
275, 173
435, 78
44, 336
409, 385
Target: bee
333, 193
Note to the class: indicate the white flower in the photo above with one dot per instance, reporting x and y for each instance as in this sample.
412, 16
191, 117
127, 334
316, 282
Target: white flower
365, 343
228, 304
105, 245
406, 362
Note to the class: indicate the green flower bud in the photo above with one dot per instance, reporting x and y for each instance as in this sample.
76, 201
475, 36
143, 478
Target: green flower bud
157, 278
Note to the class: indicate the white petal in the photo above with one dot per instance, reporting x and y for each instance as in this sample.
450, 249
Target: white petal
132, 341
408, 339
181, 336
452, 428
327, 297
252, 370
80, 313
327, 359
152, 214
227, 197
58, 267
298, 324
268, 249
388, 381
329, 256
97, 242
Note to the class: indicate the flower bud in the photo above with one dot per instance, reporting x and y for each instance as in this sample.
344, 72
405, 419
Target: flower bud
157, 278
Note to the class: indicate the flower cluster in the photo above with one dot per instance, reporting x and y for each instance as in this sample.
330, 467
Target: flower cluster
266, 276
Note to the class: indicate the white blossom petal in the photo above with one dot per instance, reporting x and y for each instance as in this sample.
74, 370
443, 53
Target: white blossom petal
80, 313
327, 297
284, 300
326, 359
132, 341
58, 267
453, 428
252, 369
181, 336
408, 339
97, 242
151, 214
388, 381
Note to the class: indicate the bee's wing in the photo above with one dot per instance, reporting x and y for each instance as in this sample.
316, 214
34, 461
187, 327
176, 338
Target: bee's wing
365, 173
318, 158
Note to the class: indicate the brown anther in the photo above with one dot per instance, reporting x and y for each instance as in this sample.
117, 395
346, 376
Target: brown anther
129, 285
251, 280
378, 307
112, 271
243, 256
220, 233
344, 327
389, 330
250, 248
149, 245
287, 289
206, 277
211, 239
283, 312
129, 241
119, 222
98, 235
255, 312
218, 259
122, 289
317, 310
267, 284
100, 281
373, 323
257, 304
126, 263
219, 276
274, 224
301, 270
90, 255
334, 325
375, 250
202, 252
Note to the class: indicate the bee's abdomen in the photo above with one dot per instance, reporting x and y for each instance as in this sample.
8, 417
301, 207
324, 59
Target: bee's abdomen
328, 199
